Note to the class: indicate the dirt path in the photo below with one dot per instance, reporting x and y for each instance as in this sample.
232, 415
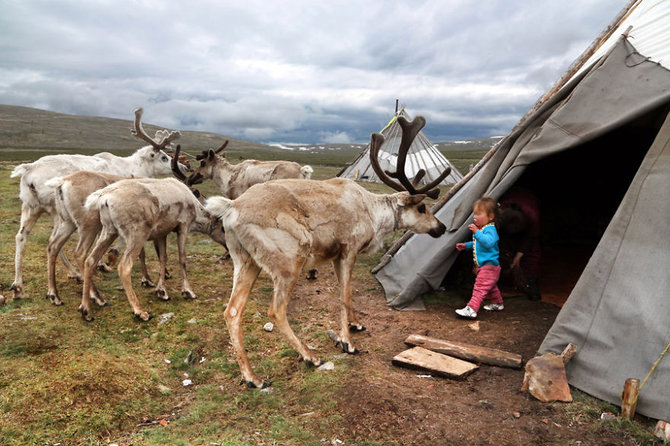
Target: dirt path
385, 401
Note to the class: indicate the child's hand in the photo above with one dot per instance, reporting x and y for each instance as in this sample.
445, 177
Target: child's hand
460, 246
473, 227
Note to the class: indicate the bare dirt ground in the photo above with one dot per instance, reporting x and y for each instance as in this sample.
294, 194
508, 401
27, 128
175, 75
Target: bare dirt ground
385, 401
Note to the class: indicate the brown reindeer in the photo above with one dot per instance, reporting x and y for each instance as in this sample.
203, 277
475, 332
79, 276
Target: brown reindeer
71, 193
278, 226
138, 210
234, 179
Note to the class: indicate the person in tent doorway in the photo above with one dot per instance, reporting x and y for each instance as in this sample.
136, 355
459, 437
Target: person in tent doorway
519, 226
484, 245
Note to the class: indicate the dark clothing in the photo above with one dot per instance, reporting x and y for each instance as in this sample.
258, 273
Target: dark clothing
519, 227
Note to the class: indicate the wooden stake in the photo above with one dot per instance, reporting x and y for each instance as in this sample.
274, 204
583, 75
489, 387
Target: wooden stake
629, 398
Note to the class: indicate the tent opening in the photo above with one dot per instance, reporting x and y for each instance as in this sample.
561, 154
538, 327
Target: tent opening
579, 191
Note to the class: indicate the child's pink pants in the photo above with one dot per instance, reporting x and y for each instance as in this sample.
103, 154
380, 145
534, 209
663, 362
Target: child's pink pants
486, 283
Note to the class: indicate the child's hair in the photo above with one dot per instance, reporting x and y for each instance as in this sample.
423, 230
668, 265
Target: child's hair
488, 205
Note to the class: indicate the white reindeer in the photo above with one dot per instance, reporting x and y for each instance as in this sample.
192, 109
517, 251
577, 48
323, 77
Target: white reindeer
38, 197
139, 210
234, 179
278, 226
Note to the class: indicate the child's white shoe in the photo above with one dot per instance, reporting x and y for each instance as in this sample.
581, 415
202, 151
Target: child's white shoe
494, 307
467, 312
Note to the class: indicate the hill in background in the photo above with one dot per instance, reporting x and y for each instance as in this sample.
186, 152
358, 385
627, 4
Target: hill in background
24, 130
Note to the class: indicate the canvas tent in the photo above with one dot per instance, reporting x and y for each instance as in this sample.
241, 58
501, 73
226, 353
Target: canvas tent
422, 155
596, 151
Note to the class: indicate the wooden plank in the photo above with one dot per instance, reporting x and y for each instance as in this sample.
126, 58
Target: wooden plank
468, 352
437, 363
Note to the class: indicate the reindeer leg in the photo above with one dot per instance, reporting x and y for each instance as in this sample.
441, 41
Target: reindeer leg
161, 250
29, 216
146, 280
244, 277
112, 257
166, 274
343, 268
181, 246
58, 238
134, 245
72, 272
87, 236
105, 240
283, 286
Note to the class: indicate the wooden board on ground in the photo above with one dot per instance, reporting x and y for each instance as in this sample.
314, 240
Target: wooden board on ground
468, 352
437, 363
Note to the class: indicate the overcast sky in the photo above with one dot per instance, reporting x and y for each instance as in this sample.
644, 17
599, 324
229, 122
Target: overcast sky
294, 71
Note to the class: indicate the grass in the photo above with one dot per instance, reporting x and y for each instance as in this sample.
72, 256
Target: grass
66, 381
117, 380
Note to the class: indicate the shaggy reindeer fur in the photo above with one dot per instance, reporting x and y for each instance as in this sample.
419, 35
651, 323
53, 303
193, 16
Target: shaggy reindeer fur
234, 179
139, 210
318, 220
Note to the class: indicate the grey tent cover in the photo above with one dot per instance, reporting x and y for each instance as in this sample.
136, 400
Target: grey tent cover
619, 312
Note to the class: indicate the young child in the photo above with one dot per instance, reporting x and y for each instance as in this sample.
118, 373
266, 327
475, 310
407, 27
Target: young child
485, 253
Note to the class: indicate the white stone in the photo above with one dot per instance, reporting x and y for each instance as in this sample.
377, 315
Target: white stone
327, 366
268, 327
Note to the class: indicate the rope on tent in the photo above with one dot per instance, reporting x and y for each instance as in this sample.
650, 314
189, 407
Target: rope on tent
667, 347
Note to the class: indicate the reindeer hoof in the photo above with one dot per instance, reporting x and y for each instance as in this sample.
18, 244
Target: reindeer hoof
167, 275
85, 314
224, 257
313, 362
143, 316
311, 274
147, 283
263, 385
356, 328
346, 348
189, 294
18, 291
105, 268
162, 294
54, 299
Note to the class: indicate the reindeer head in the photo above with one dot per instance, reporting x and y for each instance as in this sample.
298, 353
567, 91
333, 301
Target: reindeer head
411, 212
154, 154
209, 159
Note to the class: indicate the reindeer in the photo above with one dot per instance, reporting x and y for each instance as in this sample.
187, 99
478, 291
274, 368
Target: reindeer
38, 197
71, 193
139, 210
234, 179
278, 226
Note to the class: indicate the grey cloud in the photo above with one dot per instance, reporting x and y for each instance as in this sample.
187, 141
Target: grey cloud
297, 71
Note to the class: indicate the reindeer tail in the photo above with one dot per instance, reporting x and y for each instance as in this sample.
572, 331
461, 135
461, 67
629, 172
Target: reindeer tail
54, 182
306, 172
94, 201
20, 170
220, 207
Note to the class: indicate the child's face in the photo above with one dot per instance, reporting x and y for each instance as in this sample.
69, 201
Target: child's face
481, 217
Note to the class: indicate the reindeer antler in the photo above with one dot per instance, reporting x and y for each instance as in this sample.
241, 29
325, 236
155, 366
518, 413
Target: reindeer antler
138, 132
205, 153
409, 131
194, 178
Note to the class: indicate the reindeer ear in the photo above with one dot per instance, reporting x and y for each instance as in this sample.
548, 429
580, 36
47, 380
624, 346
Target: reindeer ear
406, 199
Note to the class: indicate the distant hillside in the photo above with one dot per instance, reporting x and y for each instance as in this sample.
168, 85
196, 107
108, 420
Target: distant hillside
29, 128
24, 130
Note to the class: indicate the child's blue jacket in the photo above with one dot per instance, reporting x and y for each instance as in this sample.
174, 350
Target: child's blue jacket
485, 246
